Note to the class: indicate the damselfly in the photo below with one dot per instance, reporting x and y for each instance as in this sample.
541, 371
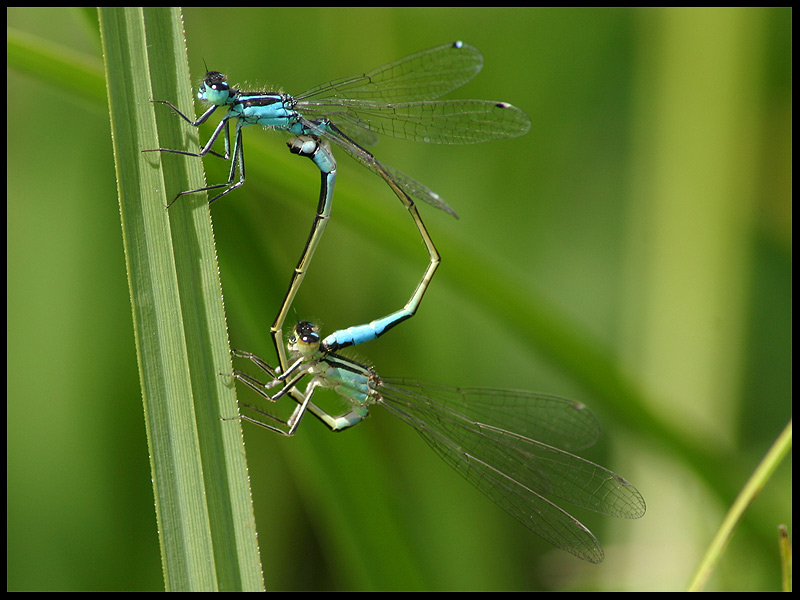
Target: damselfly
515, 447
398, 100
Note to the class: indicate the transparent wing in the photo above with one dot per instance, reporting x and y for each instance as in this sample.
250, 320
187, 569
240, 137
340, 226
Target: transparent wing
398, 100
432, 122
424, 75
407, 185
511, 446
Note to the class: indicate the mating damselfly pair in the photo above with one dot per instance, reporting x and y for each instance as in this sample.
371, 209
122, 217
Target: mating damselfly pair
516, 447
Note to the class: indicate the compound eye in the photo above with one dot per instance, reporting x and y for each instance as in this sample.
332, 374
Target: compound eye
304, 339
306, 332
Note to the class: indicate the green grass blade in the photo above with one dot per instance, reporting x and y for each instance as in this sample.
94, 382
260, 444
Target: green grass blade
746, 497
785, 546
205, 518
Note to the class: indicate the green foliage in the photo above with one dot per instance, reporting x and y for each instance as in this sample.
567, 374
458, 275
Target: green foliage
633, 251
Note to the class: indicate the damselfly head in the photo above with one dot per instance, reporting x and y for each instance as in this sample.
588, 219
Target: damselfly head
215, 89
304, 339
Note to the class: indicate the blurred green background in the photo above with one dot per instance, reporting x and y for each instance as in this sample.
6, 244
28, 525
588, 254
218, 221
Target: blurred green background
647, 214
